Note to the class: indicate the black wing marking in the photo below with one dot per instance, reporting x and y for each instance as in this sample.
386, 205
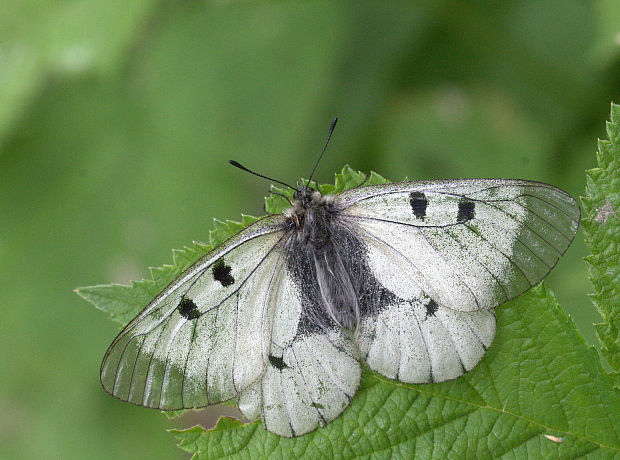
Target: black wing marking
506, 239
176, 354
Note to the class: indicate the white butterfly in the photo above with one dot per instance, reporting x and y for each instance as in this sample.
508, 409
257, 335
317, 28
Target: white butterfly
402, 276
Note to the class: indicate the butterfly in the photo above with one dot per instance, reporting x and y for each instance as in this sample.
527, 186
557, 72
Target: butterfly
401, 276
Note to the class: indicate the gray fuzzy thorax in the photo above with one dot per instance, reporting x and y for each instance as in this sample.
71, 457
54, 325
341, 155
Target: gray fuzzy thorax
327, 260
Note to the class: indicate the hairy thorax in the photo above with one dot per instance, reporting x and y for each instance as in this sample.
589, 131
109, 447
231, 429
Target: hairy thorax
320, 252
312, 216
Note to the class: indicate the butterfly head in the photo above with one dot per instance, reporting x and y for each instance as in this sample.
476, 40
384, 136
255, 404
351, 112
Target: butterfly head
306, 195
307, 202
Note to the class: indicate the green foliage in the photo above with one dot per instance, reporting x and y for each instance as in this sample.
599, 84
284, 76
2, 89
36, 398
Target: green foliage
538, 379
117, 118
62, 39
601, 226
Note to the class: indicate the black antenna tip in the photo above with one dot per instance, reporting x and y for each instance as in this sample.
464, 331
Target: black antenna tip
243, 168
238, 165
333, 125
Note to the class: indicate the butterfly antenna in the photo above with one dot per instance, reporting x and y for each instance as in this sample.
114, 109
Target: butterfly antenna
240, 166
331, 130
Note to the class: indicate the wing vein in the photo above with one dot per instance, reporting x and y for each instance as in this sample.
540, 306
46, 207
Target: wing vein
285, 405
464, 248
189, 351
568, 238
456, 350
500, 251
120, 360
133, 370
234, 357
456, 275
147, 381
336, 384
540, 199
473, 331
265, 305
306, 385
210, 354
428, 354
172, 338
509, 216
406, 224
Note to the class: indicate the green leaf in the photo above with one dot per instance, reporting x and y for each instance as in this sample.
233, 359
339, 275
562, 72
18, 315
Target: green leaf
539, 378
601, 226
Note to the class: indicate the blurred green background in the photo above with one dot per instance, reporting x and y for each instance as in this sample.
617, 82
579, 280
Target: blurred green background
117, 120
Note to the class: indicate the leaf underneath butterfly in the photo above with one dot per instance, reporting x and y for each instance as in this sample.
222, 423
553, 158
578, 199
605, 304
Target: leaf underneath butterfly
539, 378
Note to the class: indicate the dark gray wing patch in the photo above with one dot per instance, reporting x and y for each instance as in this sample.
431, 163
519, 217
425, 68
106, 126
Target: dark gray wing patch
277, 362
431, 308
188, 309
466, 210
222, 273
336, 284
418, 202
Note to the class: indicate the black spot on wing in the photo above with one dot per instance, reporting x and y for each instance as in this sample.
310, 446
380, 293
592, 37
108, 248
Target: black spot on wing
222, 273
188, 309
431, 308
277, 362
466, 210
418, 202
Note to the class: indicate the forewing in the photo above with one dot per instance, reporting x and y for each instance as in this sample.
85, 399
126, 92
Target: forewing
312, 373
205, 337
468, 244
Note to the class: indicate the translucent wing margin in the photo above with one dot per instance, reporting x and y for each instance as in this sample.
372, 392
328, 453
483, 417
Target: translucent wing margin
205, 337
469, 244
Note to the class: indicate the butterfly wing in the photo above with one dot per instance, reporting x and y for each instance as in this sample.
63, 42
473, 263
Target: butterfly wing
450, 251
205, 337
404, 341
469, 244
313, 369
